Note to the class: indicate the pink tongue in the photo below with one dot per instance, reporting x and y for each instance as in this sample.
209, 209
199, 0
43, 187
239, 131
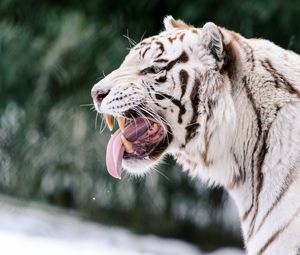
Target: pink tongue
115, 149
114, 155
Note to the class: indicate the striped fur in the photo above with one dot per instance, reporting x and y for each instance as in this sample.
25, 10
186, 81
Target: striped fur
232, 105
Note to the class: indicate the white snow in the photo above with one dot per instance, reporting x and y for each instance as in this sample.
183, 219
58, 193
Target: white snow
29, 229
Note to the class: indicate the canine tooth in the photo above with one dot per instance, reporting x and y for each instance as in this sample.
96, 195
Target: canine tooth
109, 121
121, 122
128, 145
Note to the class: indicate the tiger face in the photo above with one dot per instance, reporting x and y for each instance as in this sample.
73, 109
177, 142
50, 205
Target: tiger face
163, 95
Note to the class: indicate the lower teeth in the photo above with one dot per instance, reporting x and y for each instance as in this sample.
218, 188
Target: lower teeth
128, 145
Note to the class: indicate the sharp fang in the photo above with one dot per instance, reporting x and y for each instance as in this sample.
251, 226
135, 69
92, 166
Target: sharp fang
121, 122
128, 145
109, 121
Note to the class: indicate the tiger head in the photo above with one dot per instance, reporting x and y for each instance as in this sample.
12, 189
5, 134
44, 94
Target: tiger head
171, 95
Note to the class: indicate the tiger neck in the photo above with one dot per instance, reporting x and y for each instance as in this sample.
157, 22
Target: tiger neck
231, 163
252, 78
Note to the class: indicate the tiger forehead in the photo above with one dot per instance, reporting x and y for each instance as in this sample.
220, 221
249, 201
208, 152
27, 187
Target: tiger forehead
158, 46
161, 39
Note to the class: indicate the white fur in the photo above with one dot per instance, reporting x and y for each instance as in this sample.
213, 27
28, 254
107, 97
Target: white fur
231, 124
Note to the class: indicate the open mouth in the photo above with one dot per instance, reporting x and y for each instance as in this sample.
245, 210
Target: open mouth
140, 138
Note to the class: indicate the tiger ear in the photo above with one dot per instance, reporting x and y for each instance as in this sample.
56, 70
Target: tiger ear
170, 23
213, 40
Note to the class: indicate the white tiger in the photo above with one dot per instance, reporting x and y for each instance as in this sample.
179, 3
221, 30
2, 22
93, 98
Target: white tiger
227, 108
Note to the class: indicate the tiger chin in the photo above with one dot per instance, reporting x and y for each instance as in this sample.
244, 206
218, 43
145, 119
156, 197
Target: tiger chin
227, 108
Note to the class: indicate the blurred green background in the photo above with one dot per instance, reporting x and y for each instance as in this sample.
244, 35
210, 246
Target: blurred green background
51, 53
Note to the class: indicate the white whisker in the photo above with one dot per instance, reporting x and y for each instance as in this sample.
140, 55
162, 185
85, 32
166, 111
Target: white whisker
96, 120
131, 42
86, 105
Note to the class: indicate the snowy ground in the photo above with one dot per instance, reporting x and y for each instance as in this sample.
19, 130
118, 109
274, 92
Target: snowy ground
32, 230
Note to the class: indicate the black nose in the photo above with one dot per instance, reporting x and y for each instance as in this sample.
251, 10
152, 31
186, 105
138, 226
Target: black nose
99, 95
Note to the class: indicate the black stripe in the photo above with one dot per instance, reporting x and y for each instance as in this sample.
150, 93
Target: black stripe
249, 52
148, 48
206, 142
161, 60
241, 177
268, 69
183, 78
173, 81
171, 39
277, 234
192, 127
260, 176
183, 58
161, 46
177, 102
157, 104
161, 79
181, 37
259, 131
279, 78
260, 181
288, 180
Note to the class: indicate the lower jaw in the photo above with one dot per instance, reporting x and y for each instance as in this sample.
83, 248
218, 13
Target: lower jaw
138, 167
156, 154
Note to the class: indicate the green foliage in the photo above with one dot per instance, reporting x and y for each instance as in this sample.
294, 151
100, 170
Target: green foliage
51, 53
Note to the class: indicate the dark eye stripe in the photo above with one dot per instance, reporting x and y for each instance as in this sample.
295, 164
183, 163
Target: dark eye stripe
151, 70
161, 79
183, 58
